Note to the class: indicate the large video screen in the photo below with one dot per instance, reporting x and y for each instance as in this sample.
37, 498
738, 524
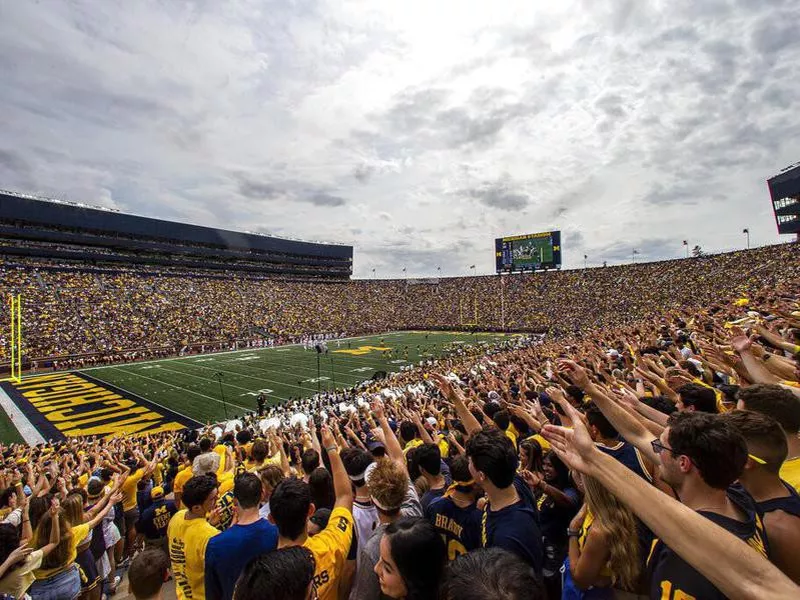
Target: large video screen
530, 252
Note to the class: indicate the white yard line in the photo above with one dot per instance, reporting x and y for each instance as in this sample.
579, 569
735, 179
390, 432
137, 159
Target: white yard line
20, 421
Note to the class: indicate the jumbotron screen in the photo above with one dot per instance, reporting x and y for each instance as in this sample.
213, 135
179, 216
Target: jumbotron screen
530, 252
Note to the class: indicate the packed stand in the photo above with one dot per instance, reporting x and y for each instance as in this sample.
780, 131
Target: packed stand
92, 316
653, 459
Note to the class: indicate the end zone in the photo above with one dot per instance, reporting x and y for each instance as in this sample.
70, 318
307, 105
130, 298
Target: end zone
64, 405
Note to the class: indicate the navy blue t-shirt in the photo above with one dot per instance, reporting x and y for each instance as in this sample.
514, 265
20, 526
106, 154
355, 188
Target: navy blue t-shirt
460, 527
516, 528
228, 553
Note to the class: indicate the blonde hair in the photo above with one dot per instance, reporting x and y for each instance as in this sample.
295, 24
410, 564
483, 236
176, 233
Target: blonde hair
60, 555
388, 484
618, 521
72, 507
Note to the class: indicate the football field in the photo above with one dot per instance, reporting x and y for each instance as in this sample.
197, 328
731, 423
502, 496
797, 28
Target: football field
171, 393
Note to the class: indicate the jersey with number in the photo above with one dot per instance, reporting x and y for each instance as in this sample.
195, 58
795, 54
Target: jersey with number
330, 548
672, 578
459, 527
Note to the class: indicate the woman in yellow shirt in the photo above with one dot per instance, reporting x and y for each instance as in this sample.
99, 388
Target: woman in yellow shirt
58, 576
18, 561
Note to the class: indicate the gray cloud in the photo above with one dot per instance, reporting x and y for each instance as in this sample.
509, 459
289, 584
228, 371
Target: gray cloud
619, 123
325, 199
257, 190
499, 196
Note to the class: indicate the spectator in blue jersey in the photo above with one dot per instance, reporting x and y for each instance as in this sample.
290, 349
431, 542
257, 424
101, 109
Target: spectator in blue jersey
228, 553
153, 522
456, 515
428, 458
608, 440
511, 518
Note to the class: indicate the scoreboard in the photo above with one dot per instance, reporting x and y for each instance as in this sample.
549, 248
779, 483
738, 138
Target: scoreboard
530, 252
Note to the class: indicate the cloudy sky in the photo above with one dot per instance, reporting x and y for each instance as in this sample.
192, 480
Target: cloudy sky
417, 131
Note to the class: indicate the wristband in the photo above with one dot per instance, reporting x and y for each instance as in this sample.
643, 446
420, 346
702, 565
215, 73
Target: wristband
330, 449
576, 533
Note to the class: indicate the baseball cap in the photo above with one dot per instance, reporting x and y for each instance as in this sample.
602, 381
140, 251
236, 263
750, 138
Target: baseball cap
321, 517
157, 492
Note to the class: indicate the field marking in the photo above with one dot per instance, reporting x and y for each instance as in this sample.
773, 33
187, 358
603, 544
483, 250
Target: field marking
207, 354
20, 421
287, 365
177, 387
143, 399
223, 353
262, 379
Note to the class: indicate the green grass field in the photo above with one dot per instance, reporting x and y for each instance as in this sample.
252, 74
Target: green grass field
189, 385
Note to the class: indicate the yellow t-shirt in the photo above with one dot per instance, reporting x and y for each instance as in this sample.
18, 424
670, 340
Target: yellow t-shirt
158, 474
412, 444
542, 442
510, 435
790, 472
83, 480
77, 536
587, 525
129, 489
225, 483
182, 476
187, 553
330, 548
220, 450
444, 446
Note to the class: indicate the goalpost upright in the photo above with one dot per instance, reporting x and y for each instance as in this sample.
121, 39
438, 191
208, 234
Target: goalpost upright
15, 304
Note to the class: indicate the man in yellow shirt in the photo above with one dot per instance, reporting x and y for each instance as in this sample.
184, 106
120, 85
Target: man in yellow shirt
185, 473
188, 534
291, 507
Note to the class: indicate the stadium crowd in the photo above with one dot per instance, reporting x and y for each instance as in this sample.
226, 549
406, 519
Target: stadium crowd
97, 317
649, 450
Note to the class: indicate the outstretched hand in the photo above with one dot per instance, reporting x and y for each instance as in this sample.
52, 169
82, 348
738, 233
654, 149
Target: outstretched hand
574, 371
573, 446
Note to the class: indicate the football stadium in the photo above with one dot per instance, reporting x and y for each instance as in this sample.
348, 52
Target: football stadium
201, 400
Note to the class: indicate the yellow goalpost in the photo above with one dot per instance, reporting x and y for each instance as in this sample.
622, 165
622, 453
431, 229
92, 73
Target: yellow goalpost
15, 303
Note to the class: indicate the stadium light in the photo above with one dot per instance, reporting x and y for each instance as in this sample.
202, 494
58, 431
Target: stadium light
746, 231
633, 255
686, 245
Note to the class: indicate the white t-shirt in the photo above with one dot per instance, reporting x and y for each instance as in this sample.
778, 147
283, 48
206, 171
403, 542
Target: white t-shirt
14, 517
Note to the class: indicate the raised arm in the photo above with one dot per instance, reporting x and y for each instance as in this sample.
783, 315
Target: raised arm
456, 396
626, 424
341, 482
393, 448
55, 529
728, 562
756, 371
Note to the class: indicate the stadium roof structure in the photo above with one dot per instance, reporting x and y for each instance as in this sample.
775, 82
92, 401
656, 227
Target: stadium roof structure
59, 213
